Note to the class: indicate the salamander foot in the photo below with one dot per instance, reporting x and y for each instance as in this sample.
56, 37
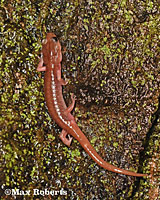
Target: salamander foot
65, 140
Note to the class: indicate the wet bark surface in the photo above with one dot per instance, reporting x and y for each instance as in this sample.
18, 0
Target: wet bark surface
110, 56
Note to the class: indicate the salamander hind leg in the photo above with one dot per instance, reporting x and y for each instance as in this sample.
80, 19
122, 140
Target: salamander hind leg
71, 106
65, 140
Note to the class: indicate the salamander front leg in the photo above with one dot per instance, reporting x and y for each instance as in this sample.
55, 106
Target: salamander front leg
65, 140
61, 81
40, 67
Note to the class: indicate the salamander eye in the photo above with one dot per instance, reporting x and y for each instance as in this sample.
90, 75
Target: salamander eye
54, 39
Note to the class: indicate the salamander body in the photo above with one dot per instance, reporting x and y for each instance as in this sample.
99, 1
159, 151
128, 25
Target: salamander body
50, 62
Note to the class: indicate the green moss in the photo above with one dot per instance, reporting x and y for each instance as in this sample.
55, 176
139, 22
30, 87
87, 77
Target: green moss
110, 52
75, 153
115, 144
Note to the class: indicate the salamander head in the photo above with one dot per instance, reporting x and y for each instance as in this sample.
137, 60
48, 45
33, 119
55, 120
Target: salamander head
52, 48
50, 36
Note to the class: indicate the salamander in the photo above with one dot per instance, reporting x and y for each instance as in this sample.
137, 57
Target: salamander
50, 62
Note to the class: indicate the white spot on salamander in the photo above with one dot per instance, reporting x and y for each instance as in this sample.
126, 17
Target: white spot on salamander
68, 123
92, 154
